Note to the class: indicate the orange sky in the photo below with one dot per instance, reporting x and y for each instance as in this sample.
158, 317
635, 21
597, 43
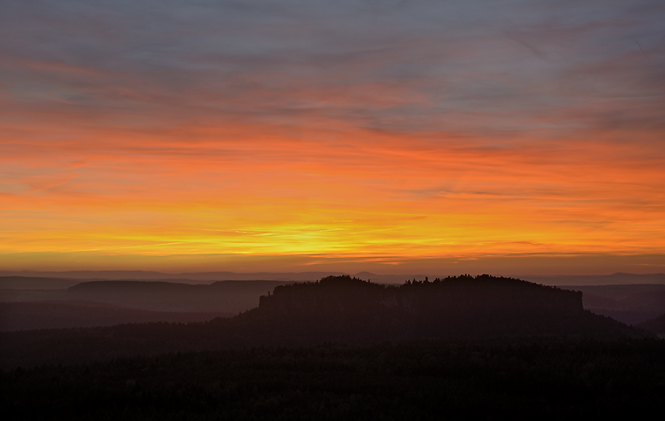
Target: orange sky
333, 139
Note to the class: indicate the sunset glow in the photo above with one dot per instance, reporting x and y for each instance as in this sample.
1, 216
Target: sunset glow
333, 135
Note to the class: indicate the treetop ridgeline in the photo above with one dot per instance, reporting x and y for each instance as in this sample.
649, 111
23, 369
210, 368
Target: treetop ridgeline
464, 281
344, 308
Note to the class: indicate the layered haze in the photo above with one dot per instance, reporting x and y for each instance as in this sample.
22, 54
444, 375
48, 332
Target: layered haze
505, 137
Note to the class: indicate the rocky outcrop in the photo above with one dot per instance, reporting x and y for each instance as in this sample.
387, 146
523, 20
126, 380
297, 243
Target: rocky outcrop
465, 306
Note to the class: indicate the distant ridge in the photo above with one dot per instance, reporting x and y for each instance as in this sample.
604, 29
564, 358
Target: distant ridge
631, 304
221, 296
66, 314
618, 278
35, 282
656, 325
339, 309
206, 277
181, 277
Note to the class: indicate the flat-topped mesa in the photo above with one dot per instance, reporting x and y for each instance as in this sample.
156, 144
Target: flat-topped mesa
451, 307
483, 294
330, 296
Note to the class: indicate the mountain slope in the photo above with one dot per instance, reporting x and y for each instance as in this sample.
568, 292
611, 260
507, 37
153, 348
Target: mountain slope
341, 310
344, 308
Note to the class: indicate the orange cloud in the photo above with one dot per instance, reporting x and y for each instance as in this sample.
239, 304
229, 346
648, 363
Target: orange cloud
383, 144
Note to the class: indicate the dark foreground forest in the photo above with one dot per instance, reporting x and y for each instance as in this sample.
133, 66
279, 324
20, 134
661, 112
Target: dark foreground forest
547, 378
342, 348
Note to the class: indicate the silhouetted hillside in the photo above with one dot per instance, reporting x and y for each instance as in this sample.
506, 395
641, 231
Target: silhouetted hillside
630, 304
223, 296
43, 308
35, 283
344, 308
656, 325
601, 280
340, 310
190, 277
64, 314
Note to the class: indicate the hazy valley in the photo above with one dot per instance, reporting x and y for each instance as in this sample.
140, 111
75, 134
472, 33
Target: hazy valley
31, 302
337, 348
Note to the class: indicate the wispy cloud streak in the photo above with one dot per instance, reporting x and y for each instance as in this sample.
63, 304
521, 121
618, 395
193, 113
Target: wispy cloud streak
408, 129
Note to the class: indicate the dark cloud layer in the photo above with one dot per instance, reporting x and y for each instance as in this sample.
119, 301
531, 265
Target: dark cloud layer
385, 65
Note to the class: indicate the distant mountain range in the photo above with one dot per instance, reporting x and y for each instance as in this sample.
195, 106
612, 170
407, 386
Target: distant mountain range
630, 303
656, 325
16, 316
337, 309
55, 278
189, 277
230, 297
613, 279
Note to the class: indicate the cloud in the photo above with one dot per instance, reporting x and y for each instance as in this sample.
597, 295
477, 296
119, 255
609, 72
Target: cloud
422, 126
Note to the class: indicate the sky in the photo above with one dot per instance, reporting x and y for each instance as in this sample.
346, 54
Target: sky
502, 137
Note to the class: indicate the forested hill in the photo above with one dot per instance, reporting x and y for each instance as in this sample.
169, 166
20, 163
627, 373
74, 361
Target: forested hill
338, 310
222, 296
483, 293
342, 307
